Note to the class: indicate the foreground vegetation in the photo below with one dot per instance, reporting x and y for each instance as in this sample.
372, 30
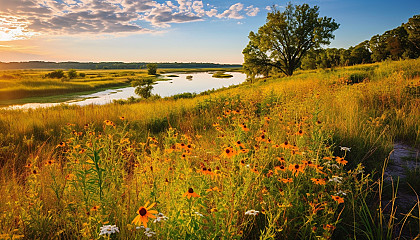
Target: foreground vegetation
283, 158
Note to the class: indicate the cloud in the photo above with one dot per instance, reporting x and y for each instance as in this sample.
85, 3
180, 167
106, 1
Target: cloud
105, 16
232, 12
252, 11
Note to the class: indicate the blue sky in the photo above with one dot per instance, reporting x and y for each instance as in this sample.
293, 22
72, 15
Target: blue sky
169, 30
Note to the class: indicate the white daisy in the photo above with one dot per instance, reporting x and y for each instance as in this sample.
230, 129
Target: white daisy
252, 212
108, 229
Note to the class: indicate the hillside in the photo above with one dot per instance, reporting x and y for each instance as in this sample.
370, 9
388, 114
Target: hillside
297, 157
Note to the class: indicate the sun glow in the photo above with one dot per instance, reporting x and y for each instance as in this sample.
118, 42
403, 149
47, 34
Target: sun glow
12, 28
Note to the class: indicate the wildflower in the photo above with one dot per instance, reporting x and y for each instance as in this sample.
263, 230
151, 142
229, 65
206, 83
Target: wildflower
329, 227
338, 199
160, 217
239, 144
252, 212
286, 180
341, 160
190, 193
109, 123
279, 168
296, 169
346, 149
254, 170
318, 181
299, 133
198, 214
244, 150
244, 127
285, 145
336, 179
122, 118
108, 229
148, 232
229, 152
61, 144
95, 208
144, 213
341, 193
50, 162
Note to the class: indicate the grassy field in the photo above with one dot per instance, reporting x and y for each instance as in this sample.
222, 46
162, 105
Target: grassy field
283, 158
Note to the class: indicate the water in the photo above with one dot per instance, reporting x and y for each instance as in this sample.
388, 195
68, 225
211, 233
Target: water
200, 82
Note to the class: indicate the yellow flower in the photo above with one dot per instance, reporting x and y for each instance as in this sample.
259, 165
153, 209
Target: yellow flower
144, 213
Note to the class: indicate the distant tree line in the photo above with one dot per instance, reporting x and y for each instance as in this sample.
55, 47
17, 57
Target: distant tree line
402, 42
106, 65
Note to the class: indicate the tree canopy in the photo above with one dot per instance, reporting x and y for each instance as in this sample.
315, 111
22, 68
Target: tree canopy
285, 38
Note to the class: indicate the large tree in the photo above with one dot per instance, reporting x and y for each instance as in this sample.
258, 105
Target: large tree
285, 38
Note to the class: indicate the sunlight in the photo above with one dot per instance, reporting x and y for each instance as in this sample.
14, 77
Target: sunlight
12, 28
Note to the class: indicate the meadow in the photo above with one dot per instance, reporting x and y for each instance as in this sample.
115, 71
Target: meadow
298, 157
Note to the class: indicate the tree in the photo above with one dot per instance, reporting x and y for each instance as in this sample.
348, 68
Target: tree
72, 74
286, 37
151, 68
143, 87
413, 29
55, 74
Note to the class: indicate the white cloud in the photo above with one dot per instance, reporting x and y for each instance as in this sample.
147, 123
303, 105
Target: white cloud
252, 11
211, 13
232, 12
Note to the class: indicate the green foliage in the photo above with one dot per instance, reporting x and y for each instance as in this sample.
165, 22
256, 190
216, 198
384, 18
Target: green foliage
144, 86
398, 43
151, 68
72, 74
285, 38
55, 74
82, 75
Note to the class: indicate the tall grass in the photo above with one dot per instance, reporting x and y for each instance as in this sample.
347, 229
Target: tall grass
273, 146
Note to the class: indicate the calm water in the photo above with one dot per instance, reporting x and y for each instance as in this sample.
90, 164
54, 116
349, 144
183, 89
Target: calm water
200, 82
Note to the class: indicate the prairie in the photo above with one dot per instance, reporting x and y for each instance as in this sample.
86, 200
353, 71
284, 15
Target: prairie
297, 157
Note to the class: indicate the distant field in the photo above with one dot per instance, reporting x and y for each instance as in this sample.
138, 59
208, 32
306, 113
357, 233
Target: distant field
297, 157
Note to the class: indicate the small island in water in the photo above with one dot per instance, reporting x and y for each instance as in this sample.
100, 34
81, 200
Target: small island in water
221, 74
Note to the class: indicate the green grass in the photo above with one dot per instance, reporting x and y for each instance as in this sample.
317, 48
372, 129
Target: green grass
68, 170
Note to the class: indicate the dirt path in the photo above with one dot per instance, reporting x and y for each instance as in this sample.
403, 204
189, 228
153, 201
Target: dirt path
402, 159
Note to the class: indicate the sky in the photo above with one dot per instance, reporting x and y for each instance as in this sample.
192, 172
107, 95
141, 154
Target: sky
169, 30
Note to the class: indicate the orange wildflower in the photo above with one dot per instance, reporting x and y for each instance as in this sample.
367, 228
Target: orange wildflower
239, 144
318, 181
244, 150
279, 168
229, 152
286, 180
296, 169
341, 160
338, 199
144, 213
95, 208
254, 170
190, 193
285, 145
299, 133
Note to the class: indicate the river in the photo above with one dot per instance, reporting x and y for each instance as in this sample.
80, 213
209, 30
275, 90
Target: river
200, 82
